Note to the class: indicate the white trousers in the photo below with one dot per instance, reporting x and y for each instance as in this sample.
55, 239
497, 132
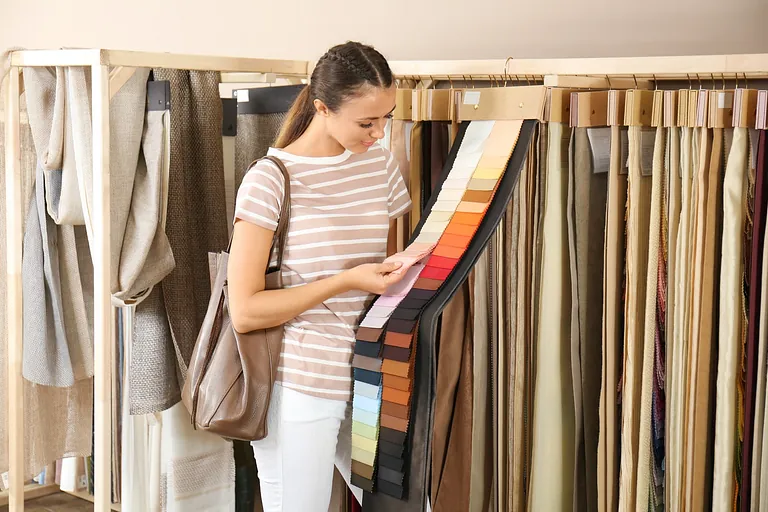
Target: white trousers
306, 437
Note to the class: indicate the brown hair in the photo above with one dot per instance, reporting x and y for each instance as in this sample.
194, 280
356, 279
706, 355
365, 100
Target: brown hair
338, 75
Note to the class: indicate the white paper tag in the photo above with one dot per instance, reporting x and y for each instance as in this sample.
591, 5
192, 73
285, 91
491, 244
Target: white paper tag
5, 480
624, 152
242, 95
647, 143
724, 100
600, 142
472, 97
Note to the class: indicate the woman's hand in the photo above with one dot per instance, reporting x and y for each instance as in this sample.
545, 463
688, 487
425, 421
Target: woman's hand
373, 277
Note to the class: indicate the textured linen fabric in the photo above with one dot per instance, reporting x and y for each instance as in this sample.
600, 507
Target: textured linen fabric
196, 222
341, 207
70, 407
734, 201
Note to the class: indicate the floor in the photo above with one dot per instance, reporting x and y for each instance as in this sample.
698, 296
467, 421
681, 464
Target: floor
59, 502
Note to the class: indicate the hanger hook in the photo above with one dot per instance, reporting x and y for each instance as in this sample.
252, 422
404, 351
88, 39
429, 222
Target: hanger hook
450, 80
635, 79
608, 80
506, 65
655, 82
526, 79
690, 84
723, 75
712, 75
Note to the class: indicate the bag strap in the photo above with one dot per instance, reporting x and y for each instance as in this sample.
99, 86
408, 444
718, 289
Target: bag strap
284, 219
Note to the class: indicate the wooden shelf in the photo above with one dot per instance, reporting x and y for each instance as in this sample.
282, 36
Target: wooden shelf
83, 495
31, 491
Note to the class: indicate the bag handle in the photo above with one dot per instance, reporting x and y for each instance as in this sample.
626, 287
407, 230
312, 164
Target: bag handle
284, 219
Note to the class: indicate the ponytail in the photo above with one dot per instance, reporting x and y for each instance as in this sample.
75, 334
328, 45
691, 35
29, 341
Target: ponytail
299, 116
339, 74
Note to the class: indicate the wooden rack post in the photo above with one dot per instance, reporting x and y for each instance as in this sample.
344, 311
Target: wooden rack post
13, 226
103, 61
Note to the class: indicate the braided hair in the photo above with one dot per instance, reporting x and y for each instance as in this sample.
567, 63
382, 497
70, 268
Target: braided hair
339, 74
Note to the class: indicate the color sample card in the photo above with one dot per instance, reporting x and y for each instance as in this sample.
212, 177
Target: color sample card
385, 351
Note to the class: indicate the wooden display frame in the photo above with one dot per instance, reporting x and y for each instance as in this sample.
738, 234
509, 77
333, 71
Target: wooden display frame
112, 68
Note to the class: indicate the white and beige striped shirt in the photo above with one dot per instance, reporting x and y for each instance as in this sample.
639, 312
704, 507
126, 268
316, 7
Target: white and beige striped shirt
341, 207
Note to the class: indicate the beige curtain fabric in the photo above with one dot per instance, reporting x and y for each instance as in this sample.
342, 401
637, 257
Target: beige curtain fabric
674, 202
482, 439
734, 201
612, 332
522, 222
645, 463
678, 369
637, 268
551, 480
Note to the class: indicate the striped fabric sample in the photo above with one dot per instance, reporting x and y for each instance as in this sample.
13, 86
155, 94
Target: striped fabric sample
388, 330
353, 197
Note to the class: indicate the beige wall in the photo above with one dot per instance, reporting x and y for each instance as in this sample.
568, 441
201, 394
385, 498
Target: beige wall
436, 29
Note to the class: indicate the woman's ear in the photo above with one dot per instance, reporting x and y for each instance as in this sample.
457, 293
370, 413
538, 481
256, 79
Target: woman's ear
321, 108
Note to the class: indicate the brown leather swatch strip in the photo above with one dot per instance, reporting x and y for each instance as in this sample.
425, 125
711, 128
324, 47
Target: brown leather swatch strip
361, 469
396, 410
423, 283
368, 334
362, 482
395, 382
394, 423
392, 435
397, 339
397, 353
395, 368
478, 196
367, 363
397, 396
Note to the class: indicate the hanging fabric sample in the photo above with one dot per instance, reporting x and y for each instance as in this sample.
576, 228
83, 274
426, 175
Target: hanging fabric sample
197, 220
587, 194
650, 441
69, 407
679, 337
452, 435
673, 213
521, 298
750, 359
434, 287
731, 322
613, 323
60, 115
640, 170
260, 114
153, 373
551, 477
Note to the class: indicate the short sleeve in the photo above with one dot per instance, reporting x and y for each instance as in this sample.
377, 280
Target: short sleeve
398, 200
260, 196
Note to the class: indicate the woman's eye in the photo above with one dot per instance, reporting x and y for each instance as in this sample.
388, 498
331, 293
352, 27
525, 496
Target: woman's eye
369, 125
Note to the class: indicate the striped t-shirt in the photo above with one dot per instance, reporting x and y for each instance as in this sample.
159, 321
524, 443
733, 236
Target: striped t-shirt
341, 207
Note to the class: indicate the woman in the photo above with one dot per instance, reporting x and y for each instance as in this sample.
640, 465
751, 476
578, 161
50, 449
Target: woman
346, 190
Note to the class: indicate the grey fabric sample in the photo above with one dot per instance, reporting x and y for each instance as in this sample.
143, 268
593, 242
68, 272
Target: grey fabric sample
70, 408
255, 134
47, 360
153, 383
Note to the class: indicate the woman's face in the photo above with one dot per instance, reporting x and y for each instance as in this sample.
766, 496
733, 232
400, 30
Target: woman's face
361, 119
